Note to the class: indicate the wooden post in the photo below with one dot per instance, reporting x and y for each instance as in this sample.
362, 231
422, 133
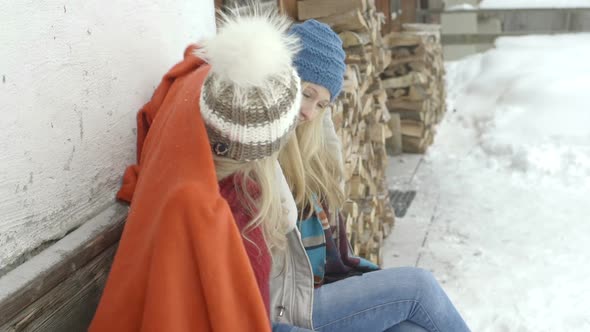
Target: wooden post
288, 7
384, 6
408, 11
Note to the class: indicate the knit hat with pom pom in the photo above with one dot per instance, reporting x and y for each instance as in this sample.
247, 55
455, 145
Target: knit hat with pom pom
251, 98
321, 60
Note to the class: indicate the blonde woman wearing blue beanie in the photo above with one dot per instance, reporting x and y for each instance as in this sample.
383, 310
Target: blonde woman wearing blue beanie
316, 283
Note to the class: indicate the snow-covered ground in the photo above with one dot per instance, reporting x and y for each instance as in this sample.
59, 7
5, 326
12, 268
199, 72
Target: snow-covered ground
495, 4
534, 3
502, 213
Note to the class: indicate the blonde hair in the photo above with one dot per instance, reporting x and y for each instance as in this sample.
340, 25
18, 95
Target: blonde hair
310, 167
266, 208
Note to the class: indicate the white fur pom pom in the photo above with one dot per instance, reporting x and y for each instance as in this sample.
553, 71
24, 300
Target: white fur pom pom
248, 49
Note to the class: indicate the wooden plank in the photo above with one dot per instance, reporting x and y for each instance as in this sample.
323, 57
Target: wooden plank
414, 144
353, 20
350, 38
415, 58
30, 281
288, 7
71, 305
411, 79
323, 8
377, 133
406, 105
408, 14
413, 128
351, 208
396, 39
384, 6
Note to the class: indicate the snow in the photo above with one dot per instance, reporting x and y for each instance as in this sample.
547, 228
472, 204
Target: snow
499, 4
503, 194
463, 6
524, 102
488, 4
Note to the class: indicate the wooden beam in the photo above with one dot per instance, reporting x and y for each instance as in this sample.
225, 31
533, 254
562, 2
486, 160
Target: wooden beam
31, 281
288, 7
408, 11
323, 8
69, 306
384, 6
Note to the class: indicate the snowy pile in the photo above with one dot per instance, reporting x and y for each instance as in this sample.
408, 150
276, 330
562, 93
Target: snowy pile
525, 105
498, 4
508, 176
488, 4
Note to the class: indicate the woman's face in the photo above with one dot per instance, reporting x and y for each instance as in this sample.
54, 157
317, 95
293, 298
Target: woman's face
315, 99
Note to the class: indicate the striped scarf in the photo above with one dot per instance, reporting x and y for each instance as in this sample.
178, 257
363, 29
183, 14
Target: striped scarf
328, 248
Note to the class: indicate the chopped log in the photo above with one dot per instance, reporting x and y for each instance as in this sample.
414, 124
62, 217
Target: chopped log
351, 208
352, 21
414, 83
377, 133
356, 187
323, 8
350, 38
361, 118
397, 105
411, 79
394, 143
414, 128
396, 39
414, 144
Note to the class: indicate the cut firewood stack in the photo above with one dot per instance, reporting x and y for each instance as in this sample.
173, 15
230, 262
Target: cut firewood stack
361, 118
414, 81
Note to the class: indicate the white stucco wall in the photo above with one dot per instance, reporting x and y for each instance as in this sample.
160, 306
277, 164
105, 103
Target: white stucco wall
72, 76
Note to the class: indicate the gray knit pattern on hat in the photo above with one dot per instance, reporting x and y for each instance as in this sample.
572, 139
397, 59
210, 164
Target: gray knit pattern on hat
251, 98
252, 123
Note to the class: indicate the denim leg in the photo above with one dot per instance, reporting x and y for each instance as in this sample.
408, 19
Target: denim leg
406, 326
281, 327
377, 301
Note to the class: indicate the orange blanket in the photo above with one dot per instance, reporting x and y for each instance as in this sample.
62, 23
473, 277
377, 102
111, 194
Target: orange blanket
181, 264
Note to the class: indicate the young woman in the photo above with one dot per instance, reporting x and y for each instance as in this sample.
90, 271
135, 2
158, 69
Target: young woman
250, 107
344, 299
206, 162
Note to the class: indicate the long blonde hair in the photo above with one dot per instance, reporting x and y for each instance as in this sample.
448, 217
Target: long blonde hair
310, 167
266, 209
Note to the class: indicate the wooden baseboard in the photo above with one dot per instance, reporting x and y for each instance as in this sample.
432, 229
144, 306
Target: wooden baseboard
59, 289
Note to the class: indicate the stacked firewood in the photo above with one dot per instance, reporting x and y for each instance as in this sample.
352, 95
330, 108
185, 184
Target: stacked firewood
414, 81
361, 118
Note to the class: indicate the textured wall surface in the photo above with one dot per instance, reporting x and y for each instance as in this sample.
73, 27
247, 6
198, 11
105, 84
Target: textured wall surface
72, 77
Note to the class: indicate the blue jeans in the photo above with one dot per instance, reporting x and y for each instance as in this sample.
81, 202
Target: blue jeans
393, 300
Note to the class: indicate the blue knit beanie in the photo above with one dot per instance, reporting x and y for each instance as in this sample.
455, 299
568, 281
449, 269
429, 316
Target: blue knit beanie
321, 59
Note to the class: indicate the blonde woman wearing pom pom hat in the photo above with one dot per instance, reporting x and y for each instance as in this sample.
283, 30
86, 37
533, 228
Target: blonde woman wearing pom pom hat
195, 252
350, 293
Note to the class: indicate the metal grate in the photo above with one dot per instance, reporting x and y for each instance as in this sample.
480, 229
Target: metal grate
401, 201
